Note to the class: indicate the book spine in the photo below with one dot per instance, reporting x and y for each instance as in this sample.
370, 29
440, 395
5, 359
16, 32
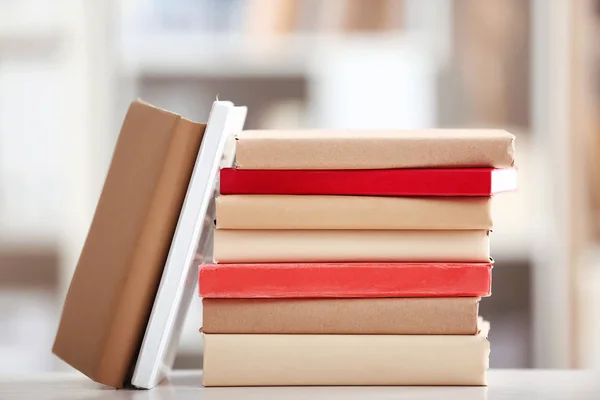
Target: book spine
363, 360
352, 212
420, 316
239, 246
342, 154
456, 182
347, 280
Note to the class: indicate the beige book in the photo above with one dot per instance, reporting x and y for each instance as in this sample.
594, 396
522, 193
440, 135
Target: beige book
352, 212
248, 246
381, 149
392, 316
365, 360
113, 288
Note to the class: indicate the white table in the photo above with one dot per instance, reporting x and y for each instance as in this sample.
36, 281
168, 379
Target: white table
186, 385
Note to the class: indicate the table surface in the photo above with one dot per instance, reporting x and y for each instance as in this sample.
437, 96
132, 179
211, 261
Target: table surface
186, 385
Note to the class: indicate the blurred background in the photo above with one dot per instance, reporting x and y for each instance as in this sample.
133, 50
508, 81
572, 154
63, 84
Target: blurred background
69, 68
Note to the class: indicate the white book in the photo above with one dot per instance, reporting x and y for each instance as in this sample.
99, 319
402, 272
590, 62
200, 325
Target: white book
190, 247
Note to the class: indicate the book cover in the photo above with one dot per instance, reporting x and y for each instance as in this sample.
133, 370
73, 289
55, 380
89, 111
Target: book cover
454, 182
345, 280
353, 212
121, 263
374, 316
378, 149
279, 246
332, 360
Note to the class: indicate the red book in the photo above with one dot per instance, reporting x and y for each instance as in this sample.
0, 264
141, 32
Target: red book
384, 182
345, 280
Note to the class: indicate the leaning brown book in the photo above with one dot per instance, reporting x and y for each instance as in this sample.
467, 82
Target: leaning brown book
113, 288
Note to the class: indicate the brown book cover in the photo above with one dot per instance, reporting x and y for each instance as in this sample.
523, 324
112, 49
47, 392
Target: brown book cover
359, 360
378, 149
352, 212
392, 316
112, 290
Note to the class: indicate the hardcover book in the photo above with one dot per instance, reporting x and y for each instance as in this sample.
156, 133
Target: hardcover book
278, 246
112, 290
457, 182
190, 245
353, 212
345, 280
378, 149
371, 316
362, 360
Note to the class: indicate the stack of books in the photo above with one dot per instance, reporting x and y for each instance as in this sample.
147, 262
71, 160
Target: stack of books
353, 258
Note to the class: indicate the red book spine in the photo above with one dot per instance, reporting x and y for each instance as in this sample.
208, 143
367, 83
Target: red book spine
391, 182
345, 280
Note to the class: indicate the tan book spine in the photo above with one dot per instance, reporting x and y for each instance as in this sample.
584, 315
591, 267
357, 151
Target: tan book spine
392, 316
264, 246
352, 212
361, 360
330, 149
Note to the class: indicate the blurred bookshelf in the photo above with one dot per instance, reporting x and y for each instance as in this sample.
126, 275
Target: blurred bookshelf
17, 21
197, 55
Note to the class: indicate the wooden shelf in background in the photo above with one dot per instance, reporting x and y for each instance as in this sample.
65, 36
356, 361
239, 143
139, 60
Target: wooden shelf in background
201, 55
24, 266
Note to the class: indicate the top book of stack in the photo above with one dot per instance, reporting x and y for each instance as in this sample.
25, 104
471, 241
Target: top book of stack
383, 149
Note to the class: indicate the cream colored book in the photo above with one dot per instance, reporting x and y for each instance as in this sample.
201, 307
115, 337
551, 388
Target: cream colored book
333, 360
248, 246
353, 212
